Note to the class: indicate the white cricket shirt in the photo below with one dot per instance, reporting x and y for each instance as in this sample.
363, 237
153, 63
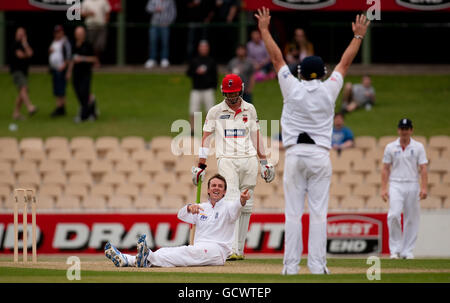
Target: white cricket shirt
308, 107
214, 224
404, 163
232, 129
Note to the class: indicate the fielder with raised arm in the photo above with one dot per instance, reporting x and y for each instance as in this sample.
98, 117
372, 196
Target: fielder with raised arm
233, 124
307, 123
215, 220
403, 161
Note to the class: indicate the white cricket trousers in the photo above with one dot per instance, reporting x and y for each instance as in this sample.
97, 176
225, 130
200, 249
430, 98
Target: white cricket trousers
403, 197
200, 254
306, 174
241, 174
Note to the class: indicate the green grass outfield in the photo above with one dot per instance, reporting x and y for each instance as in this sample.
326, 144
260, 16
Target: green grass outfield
392, 271
147, 104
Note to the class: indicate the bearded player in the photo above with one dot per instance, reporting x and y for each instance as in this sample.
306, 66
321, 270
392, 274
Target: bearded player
233, 124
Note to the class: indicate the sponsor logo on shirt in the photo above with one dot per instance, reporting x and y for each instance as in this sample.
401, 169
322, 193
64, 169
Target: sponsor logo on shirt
234, 133
203, 217
225, 117
285, 74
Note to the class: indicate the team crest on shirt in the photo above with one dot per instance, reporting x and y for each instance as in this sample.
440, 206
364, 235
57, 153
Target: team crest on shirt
203, 217
412, 152
245, 118
217, 216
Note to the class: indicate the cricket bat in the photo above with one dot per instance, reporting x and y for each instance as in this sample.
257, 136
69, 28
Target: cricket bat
192, 232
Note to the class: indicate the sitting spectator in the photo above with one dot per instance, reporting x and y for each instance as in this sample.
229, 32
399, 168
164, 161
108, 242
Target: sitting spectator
203, 72
59, 57
257, 52
299, 48
358, 95
242, 66
342, 136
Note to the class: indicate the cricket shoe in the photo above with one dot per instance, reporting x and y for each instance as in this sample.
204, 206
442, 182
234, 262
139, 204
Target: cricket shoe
394, 256
408, 256
115, 255
235, 257
142, 252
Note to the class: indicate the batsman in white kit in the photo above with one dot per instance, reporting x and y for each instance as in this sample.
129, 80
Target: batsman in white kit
233, 124
307, 123
214, 219
404, 163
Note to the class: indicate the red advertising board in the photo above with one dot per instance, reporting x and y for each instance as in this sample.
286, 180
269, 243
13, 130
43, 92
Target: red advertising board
349, 5
54, 5
87, 233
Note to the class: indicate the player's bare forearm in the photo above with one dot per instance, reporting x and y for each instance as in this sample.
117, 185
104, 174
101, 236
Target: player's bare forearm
348, 56
263, 16
206, 141
423, 181
258, 145
384, 181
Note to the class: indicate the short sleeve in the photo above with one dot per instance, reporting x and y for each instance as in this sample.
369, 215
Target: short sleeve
387, 157
254, 123
107, 7
334, 84
422, 159
287, 81
210, 122
349, 134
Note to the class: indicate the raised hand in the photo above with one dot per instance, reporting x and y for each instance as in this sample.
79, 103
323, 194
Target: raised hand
245, 195
360, 25
263, 16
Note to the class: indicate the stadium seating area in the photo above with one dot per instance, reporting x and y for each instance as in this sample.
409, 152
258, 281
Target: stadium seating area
111, 174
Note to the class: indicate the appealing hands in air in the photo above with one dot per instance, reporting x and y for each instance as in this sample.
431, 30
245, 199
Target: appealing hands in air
360, 25
263, 16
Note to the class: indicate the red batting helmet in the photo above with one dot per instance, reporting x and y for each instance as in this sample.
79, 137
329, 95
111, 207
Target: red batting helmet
232, 83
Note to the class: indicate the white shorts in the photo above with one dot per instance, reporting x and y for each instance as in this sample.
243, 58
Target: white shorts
199, 97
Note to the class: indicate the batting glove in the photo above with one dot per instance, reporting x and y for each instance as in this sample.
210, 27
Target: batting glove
267, 171
198, 173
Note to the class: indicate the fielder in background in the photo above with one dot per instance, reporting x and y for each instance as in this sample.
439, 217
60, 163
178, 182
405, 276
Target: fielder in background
233, 124
215, 220
306, 123
403, 161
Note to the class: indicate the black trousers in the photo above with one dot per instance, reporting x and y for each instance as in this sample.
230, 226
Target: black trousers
82, 87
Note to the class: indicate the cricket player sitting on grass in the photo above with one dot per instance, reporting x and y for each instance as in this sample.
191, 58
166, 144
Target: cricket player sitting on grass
234, 125
214, 219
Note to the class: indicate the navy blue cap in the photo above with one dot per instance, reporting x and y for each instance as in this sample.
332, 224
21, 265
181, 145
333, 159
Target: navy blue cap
312, 67
405, 123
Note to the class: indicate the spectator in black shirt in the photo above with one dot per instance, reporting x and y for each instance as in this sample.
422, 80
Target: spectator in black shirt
203, 72
22, 52
81, 69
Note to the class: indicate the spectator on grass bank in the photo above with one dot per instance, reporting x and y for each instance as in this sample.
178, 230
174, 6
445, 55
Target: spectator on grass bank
80, 68
96, 14
59, 57
203, 72
257, 52
20, 61
361, 95
299, 48
342, 137
242, 66
163, 13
